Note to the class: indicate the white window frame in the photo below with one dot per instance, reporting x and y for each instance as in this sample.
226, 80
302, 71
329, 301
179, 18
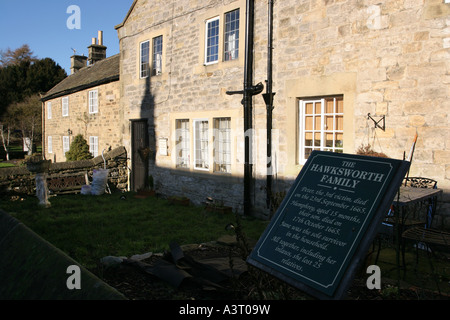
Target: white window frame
222, 145
50, 144
65, 106
323, 130
93, 101
183, 143
202, 162
144, 66
157, 50
66, 144
49, 110
207, 23
231, 37
93, 146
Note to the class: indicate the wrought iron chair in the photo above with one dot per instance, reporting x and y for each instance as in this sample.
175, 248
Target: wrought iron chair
425, 236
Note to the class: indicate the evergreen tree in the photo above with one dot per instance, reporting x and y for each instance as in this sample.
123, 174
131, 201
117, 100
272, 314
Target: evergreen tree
79, 149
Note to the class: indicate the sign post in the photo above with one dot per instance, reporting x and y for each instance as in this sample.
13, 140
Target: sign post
327, 221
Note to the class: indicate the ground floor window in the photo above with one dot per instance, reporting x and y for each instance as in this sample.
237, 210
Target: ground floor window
183, 145
321, 125
50, 144
201, 144
222, 145
66, 144
93, 146
208, 140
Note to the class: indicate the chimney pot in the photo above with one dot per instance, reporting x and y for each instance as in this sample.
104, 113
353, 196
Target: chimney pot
100, 37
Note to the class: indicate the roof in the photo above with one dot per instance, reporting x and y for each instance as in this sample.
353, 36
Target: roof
120, 25
101, 72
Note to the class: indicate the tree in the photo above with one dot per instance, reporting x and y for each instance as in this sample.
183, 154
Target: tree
79, 149
23, 75
15, 57
25, 117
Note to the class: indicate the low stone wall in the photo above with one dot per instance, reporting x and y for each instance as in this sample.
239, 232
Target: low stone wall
20, 180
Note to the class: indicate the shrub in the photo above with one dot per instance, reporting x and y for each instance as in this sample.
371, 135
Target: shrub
79, 149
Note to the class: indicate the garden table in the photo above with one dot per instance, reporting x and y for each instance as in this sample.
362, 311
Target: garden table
403, 204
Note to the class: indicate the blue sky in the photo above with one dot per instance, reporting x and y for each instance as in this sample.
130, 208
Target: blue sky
42, 24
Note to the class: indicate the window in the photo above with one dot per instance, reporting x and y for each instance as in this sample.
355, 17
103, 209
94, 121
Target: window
50, 144
145, 58
157, 56
66, 144
65, 106
212, 41
93, 101
231, 35
49, 110
201, 150
93, 146
321, 125
183, 144
222, 145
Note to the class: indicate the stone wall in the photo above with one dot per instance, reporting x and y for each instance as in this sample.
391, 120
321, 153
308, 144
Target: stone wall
388, 58
105, 124
20, 180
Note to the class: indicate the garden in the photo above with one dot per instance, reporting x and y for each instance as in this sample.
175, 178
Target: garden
89, 228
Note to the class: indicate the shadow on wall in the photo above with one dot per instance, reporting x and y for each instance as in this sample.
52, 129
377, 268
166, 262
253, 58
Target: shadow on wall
143, 141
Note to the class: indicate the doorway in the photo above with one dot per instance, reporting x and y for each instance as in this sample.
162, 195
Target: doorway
139, 154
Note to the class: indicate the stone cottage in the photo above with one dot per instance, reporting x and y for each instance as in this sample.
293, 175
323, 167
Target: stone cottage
86, 103
341, 68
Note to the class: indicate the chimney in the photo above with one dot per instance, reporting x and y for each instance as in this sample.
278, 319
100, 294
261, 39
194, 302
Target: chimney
97, 51
77, 62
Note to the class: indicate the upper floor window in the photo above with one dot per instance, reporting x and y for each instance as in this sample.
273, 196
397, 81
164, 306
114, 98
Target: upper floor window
93, 101
144, 59
321, 125
212, 41
65, 106
157, 56
49, 110
231, 35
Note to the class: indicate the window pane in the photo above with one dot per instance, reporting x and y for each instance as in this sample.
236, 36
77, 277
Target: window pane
323, 125
145, 58
182, 144
339, 123
232, 35
222, 145
317, 139
201, 144
212, 40
329, 122
340, 105
329, 106
157, 55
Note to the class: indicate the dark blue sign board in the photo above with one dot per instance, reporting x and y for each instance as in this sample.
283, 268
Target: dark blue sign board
327, 221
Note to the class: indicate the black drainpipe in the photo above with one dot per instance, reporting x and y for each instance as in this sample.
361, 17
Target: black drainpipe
248, 93
248, 107
268, 98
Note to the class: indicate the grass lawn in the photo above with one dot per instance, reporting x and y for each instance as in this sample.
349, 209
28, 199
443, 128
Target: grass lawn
6, 165
88, 228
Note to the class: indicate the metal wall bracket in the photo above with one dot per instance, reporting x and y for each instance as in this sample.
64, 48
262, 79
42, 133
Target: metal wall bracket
377, 123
